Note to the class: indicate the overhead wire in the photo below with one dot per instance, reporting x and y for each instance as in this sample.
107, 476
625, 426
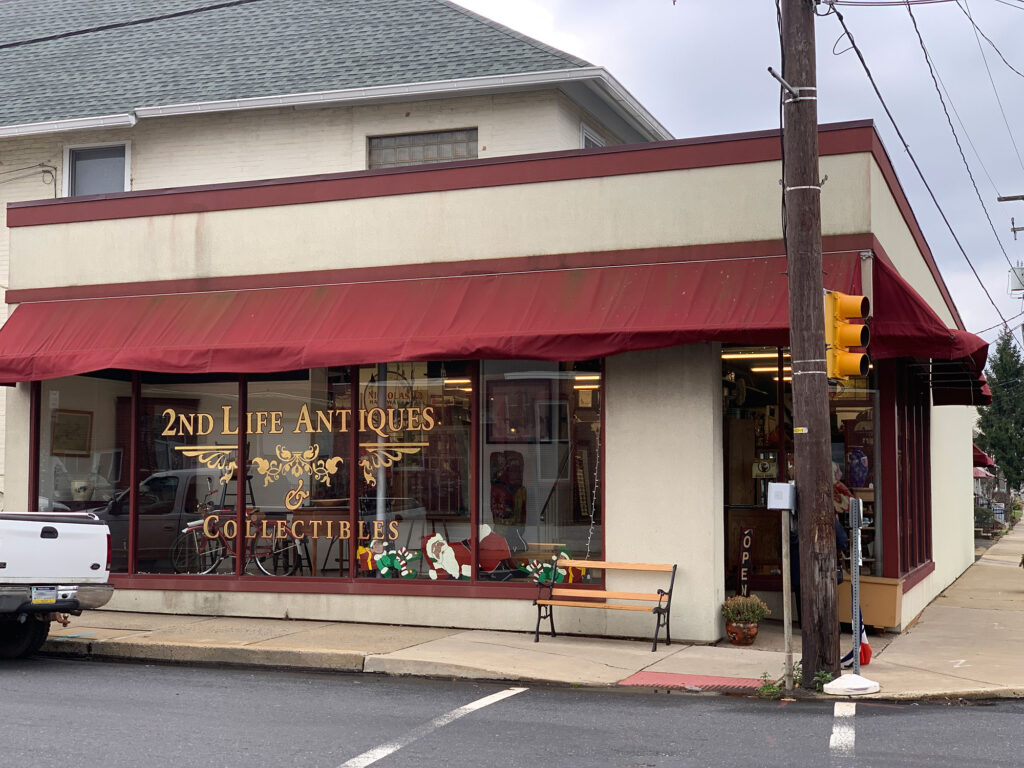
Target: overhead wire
956, 139
913, 160
978, 30
967, 9
122, 24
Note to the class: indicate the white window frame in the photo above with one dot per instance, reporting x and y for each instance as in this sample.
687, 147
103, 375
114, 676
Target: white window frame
65, 183
586, 132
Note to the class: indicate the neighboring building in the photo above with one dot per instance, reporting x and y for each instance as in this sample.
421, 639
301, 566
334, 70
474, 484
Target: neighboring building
451, 372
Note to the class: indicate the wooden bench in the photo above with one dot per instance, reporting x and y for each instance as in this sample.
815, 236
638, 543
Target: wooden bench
576, 595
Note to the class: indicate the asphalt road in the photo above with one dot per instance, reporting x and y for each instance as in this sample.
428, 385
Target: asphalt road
56, 712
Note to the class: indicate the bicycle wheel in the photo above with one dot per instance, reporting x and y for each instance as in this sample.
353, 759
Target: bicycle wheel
276, 557
193, 552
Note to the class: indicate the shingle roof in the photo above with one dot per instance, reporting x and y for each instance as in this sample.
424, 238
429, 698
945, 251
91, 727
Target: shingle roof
261, 48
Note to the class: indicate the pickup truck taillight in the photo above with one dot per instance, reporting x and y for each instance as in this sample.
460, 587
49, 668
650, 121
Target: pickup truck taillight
110, 551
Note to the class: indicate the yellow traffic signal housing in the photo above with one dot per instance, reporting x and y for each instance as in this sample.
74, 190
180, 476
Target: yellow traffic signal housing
841, 334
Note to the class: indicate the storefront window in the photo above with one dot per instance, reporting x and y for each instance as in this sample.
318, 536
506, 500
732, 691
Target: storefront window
84, 439
357, 471
540, 466
758, 443
299, 460
757, 435
187, 448
852, 406
414, 470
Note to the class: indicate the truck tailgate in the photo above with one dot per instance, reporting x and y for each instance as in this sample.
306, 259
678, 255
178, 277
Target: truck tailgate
52, 548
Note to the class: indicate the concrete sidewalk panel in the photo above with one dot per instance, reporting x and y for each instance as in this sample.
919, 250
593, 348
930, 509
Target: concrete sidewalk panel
228, 631
986, 585
964, 643
490, 655
361, 638
141, 622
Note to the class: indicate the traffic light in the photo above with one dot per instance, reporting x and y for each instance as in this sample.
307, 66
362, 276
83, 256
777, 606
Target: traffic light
841, 334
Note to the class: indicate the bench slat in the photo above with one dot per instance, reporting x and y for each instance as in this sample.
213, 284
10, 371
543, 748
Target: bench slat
607, 566
605, 606
600, 593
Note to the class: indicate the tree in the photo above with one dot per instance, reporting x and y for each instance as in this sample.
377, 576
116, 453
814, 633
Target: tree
1002, 423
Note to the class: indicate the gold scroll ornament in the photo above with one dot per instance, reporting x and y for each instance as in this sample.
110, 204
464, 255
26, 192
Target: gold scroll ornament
288, 462
385, 455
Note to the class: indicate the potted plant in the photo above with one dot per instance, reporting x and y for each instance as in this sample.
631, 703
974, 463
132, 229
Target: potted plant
741, 617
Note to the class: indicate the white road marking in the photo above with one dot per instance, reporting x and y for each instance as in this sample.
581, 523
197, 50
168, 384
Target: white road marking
843, 732
959, 663
377, 753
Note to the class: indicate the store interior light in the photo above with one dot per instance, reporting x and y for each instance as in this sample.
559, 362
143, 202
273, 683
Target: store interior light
770, 369
586, 386
784, 378
752, 355
588, 377
454, 382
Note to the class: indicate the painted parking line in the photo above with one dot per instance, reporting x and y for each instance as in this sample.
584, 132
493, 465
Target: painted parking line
843, 733
377, 753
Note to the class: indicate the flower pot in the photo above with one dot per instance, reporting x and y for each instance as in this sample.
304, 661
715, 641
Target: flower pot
741, 632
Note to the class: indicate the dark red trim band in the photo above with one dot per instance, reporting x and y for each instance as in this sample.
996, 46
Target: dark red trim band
916, 576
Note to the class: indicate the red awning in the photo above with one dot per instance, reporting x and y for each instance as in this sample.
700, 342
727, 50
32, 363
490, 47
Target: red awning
982, 459
556, 314
982, 473
903, 325
545, 314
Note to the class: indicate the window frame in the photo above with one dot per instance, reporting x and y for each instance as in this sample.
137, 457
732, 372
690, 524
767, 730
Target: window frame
586, 132
65, 184
404, 134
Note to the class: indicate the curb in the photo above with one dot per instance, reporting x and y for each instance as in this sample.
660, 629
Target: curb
180, 653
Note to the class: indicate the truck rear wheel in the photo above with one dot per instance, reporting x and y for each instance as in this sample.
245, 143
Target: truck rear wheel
19, 640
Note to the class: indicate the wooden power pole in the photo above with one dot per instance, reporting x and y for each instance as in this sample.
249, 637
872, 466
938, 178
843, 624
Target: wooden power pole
812, 432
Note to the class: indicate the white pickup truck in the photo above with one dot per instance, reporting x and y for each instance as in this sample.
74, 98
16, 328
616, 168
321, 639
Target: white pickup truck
51, 564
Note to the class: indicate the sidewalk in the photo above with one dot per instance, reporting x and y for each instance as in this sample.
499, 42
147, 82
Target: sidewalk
965, 644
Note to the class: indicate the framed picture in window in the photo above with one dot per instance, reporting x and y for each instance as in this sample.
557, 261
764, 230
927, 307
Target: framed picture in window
71, 433
513, 408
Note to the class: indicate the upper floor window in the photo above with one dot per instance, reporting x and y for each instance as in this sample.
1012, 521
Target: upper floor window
589, 138
96, 170
419, 148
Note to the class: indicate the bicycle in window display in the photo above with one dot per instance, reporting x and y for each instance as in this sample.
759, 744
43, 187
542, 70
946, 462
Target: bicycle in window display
203, 546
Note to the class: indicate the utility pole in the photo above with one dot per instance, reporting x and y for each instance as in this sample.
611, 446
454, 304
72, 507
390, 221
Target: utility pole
812, 431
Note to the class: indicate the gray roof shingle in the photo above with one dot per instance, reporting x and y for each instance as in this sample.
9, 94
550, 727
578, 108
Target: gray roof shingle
263, 48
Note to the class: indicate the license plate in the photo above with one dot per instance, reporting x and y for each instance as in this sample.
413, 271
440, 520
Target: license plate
44, 595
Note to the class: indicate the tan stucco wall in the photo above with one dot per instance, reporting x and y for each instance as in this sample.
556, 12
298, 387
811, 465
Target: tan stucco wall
896, 238
952, 505
663, 475
707, 205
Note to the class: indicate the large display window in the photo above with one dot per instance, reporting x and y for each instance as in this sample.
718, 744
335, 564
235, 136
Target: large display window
758, 444
432, 471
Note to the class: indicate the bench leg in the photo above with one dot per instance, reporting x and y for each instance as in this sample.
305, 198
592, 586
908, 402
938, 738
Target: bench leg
661, 616
544, 612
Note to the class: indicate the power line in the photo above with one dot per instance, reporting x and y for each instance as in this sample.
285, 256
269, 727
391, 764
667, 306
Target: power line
913, 161
966, 9
979, 31
931, 70
122, 24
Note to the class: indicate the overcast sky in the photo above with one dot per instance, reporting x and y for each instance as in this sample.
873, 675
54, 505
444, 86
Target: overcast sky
700, 67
